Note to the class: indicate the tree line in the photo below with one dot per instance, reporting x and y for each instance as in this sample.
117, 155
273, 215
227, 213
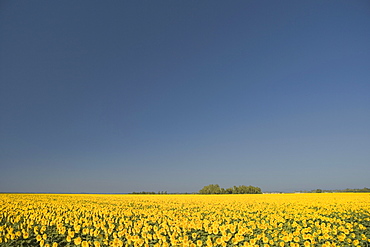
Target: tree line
150, 193
242, 189
364, 190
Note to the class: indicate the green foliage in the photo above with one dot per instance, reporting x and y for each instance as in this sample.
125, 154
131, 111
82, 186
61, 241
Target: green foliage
242, 189
143, 193
364, 190
150, 193
357, 190
211, 189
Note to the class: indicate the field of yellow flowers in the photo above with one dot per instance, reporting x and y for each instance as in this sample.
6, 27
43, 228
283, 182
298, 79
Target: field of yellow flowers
185, 220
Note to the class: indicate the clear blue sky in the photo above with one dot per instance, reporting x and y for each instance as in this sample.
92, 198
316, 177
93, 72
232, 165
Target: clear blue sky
122, 96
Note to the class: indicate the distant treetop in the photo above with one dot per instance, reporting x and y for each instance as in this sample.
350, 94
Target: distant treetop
242, 189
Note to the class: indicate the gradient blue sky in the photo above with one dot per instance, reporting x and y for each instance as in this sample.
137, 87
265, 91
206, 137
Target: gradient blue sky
122, 96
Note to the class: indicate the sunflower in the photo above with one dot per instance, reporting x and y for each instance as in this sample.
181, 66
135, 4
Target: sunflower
77, 241
85, 243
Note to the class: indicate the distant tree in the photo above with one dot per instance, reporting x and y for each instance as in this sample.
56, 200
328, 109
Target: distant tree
365, 189
318, 191
254, 190
211, 189
143, 193
242, 189
229, 190
236, 190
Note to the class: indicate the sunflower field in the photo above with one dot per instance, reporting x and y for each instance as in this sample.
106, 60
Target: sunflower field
51, 220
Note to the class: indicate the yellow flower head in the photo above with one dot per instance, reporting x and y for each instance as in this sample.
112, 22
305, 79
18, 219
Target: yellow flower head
77, 241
